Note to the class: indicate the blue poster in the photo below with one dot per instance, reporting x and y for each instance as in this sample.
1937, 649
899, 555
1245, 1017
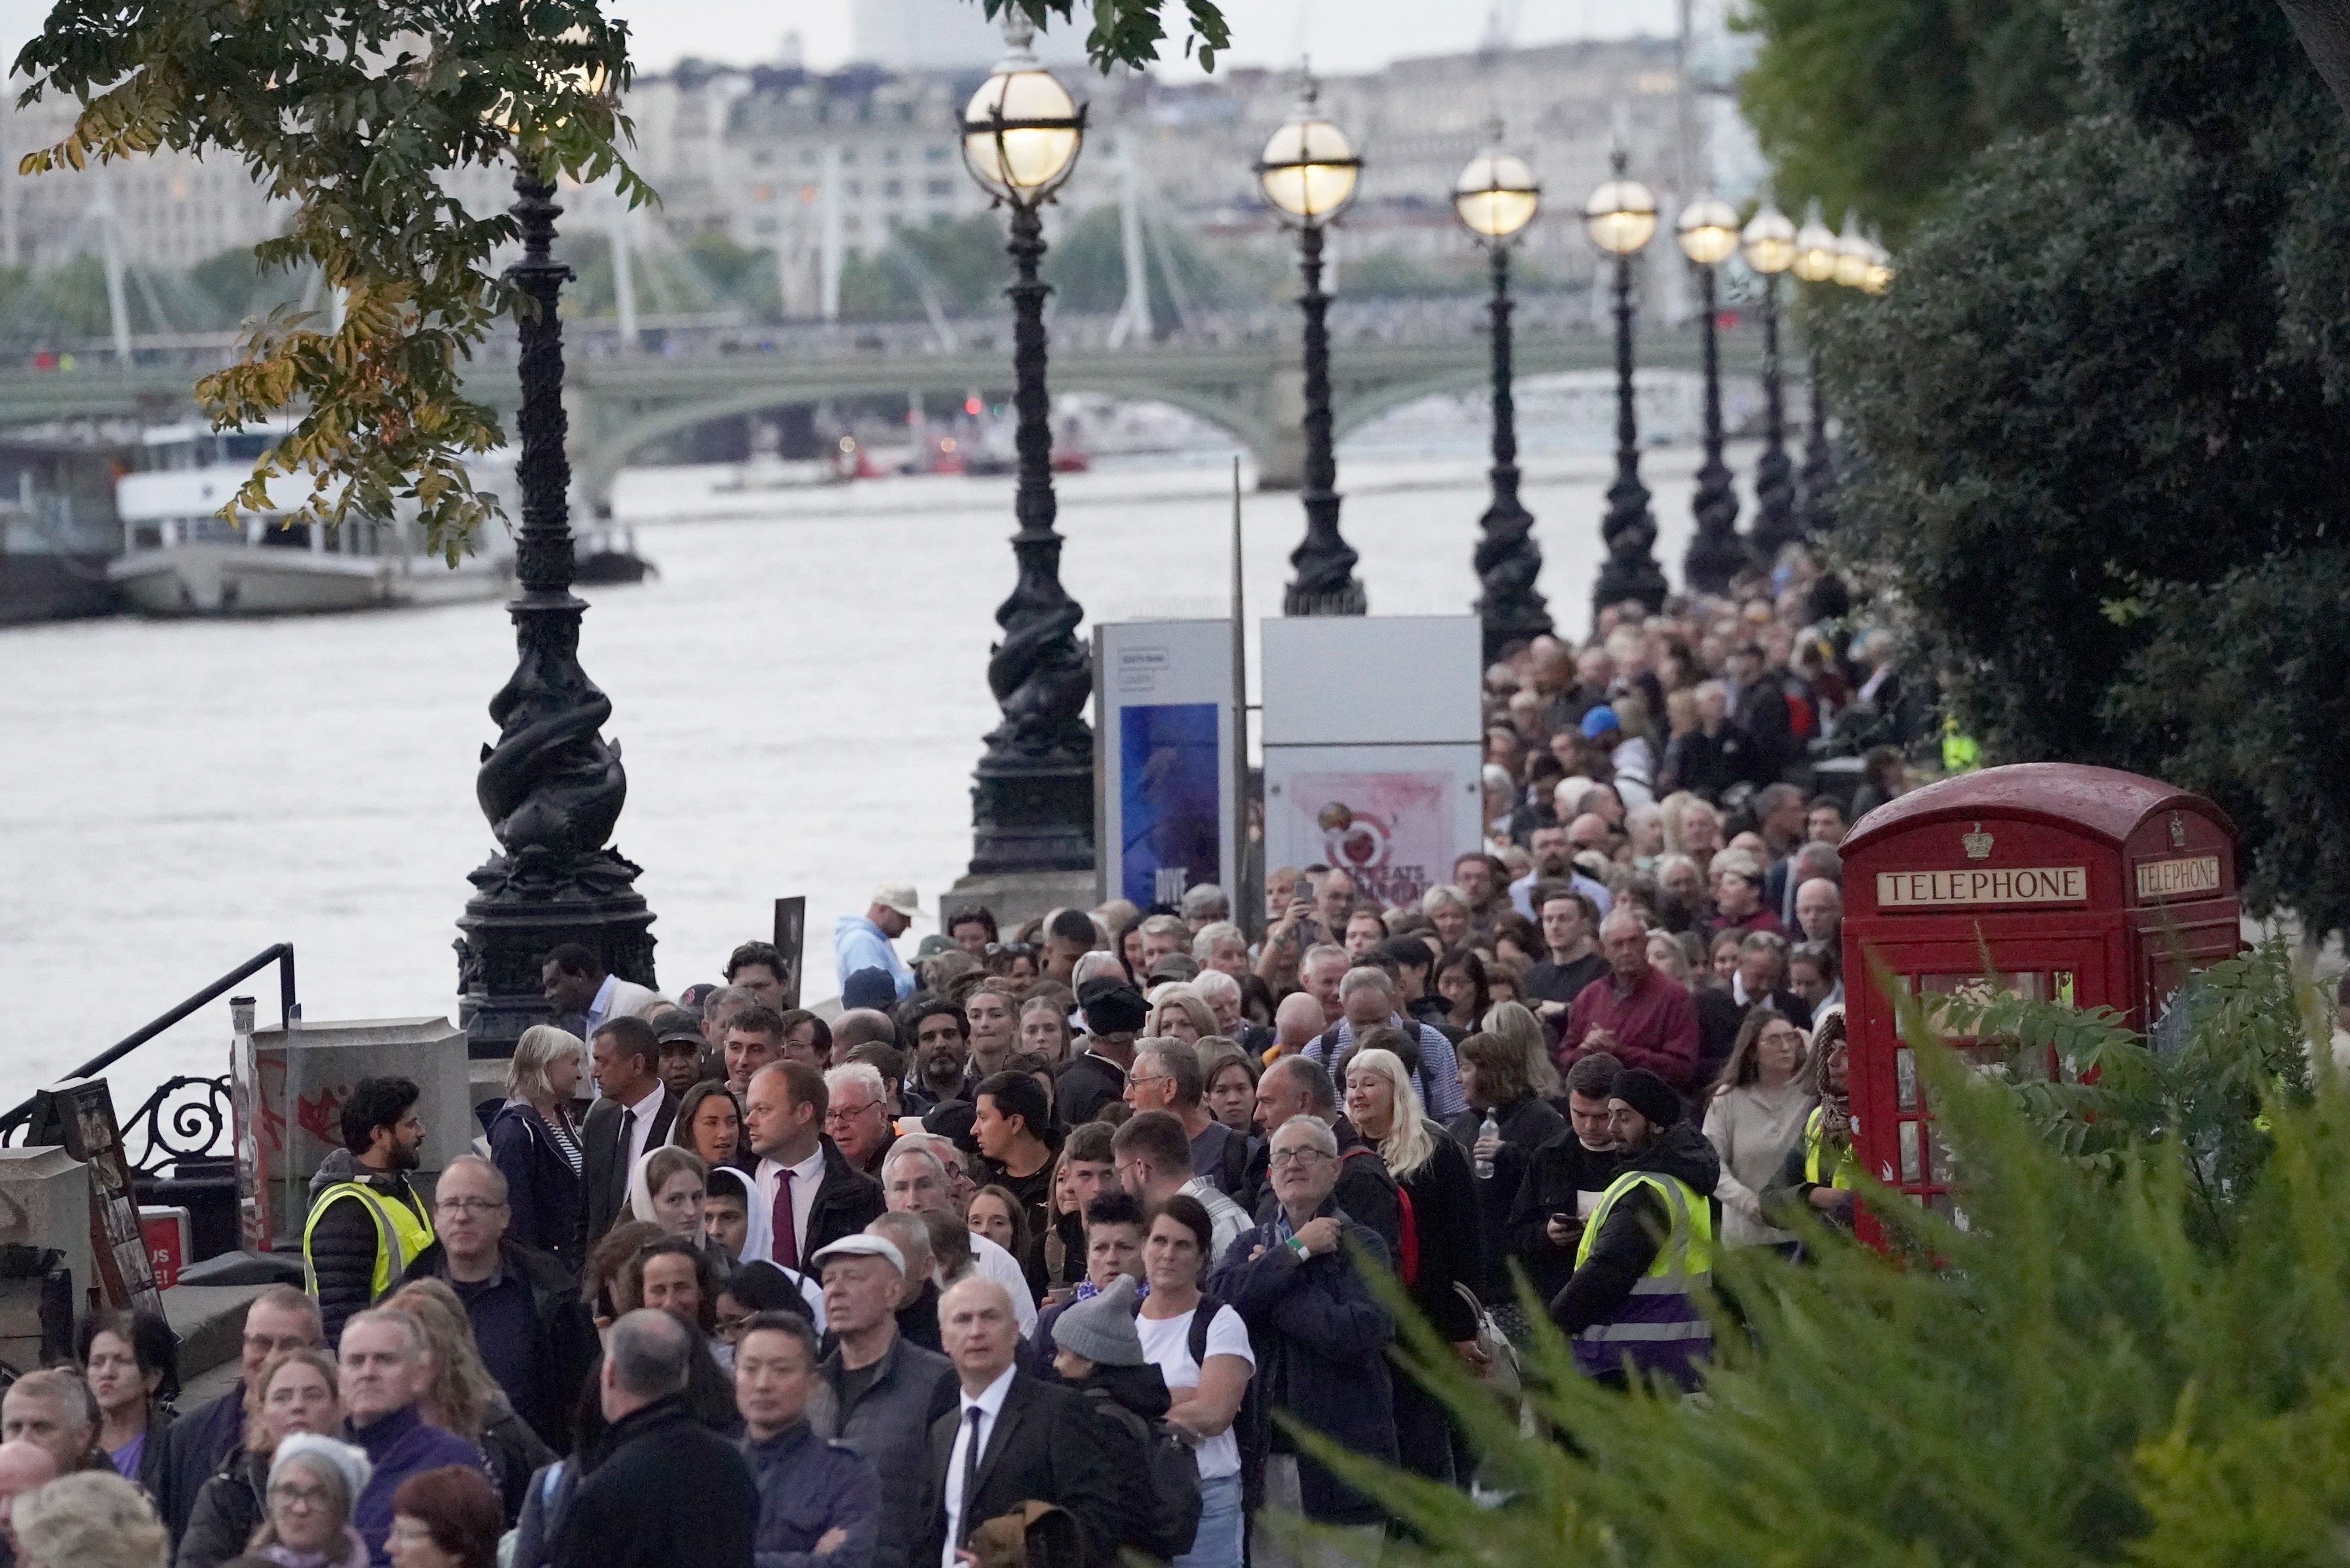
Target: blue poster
1170, 779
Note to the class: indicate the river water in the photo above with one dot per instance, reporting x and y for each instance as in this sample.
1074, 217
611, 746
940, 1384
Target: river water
799, 697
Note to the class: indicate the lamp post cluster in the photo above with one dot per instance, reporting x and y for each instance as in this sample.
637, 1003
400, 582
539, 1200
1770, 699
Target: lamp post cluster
1621, 216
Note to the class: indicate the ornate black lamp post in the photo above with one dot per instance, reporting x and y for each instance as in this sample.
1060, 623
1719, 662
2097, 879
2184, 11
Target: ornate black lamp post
1621, 216
1496, 196
551, 787
1310, 172
1708, 235
1817, 254
1033, 795
1770, 247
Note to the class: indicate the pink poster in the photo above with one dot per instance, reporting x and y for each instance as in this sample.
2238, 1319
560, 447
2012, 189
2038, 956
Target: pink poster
1392, 831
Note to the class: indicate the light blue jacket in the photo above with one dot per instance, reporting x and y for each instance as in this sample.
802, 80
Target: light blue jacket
858, 943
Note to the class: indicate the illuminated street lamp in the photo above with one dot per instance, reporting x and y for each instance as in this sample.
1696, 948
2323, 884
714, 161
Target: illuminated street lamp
1770, 249
1621, 217
1309, 173
1497, 197
1708, 235
1033, 796
1819, 255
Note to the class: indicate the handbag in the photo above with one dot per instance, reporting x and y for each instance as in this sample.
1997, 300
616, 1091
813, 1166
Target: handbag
1501, 1375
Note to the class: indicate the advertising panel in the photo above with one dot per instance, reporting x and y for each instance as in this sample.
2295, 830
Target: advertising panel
1163, 731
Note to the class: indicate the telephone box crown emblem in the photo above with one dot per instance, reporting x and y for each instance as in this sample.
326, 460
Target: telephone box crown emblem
1978, 843
2178, 831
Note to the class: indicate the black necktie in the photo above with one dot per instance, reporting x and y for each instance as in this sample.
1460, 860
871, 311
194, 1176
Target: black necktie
966, 1518
628, 1142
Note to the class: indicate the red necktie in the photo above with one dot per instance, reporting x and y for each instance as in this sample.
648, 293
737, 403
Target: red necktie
787, 1234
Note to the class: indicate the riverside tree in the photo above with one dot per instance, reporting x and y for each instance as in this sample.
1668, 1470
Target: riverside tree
354, 114
2096, 432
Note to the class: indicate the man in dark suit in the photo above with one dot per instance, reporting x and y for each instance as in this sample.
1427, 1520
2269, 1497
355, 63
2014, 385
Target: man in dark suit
1763, 717
1010, 1437
632, 1116
1760, 976
813, 1196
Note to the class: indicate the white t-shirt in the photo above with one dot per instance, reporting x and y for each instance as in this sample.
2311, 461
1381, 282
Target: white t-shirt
1166, 1344
990, 1262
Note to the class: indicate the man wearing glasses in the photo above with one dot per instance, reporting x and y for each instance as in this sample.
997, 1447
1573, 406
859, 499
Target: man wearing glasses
535, 1335
202, 1440
1319, 1335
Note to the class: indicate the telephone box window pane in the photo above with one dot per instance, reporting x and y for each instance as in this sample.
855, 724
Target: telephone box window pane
1905, 1073
1911, 1175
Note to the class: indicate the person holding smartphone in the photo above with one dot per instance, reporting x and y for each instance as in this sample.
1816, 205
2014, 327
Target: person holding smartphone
1565, 1177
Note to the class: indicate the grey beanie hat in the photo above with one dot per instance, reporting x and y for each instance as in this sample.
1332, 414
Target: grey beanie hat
338, 1464
1101, 1329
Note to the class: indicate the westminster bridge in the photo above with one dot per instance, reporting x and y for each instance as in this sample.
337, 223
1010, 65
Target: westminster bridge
1241, 374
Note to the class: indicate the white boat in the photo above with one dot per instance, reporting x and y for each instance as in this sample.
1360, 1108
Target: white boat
181, 558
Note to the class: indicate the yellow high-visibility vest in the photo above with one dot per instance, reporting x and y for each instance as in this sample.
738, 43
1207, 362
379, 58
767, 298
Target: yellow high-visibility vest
401, 1232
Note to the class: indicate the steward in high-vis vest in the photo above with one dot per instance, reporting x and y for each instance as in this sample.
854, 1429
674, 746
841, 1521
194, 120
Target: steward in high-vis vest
367, 1224
1646, 1261
1821, 1173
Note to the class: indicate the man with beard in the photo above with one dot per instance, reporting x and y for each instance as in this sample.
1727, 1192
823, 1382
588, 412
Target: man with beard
1635, 1304
367, 1224
1555, 862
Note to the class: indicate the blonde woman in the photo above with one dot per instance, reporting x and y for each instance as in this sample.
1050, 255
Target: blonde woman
1443, 1241
295, 1393
1177, 1013
535, 1144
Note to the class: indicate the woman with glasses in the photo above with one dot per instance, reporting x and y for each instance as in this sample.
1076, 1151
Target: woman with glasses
295, 1393
755, 1288
1754, 1114
313, 1484
535, 1144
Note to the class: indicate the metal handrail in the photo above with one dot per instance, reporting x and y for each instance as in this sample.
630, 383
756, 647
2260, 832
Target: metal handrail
278, 953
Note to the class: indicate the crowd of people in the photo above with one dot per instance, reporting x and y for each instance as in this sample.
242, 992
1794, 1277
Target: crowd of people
1011, 1259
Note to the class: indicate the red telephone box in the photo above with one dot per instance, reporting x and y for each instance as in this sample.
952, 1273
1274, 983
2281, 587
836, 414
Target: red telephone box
2085, 886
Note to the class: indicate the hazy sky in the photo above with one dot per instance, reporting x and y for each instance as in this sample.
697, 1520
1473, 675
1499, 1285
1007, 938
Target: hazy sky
1340, 34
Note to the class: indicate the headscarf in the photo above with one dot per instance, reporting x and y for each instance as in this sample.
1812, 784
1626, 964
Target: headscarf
1835, 1105
758, 1242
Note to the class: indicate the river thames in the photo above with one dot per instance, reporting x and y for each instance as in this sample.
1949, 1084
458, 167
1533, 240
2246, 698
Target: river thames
799, 699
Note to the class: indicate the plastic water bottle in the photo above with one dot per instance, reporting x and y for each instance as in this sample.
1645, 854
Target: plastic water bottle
1490, 1128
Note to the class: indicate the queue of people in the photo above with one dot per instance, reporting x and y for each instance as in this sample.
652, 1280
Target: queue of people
1021, 1249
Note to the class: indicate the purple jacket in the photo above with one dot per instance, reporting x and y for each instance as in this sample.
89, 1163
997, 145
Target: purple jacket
400, 1446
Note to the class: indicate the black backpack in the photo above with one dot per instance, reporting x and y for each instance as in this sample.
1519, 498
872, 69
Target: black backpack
1172, 1473
1251, 1427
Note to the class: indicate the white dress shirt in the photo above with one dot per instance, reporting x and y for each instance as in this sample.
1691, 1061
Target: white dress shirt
806, 1176
641, 1131
990, 1405
600, 1010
